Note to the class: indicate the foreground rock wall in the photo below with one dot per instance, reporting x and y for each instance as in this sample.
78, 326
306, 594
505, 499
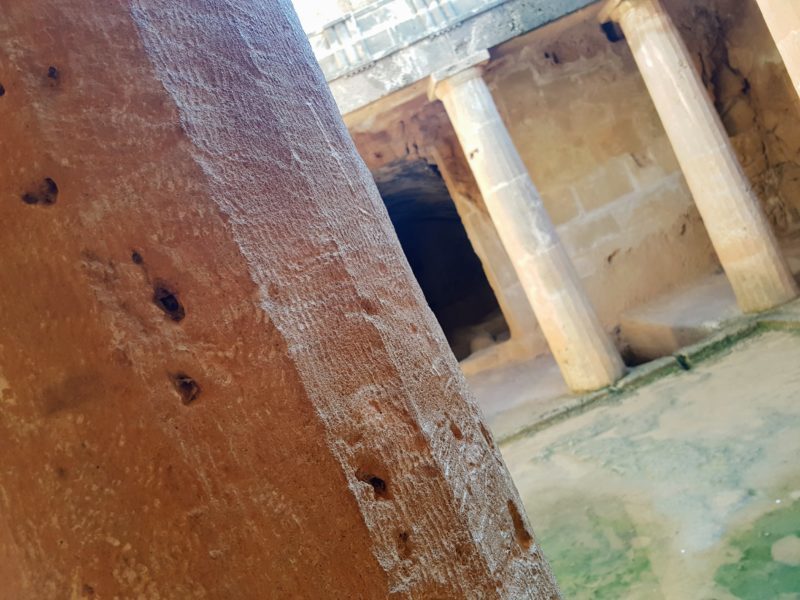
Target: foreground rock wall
217, 375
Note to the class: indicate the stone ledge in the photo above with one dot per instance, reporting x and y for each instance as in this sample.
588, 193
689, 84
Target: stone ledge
785, 318
416, 61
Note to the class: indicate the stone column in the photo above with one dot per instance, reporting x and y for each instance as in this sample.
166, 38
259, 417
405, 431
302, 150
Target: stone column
741, 235
218, 378
526, 335
583, 350
783, 20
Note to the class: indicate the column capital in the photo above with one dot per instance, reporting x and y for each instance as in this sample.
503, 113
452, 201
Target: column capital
466, 68
613, 10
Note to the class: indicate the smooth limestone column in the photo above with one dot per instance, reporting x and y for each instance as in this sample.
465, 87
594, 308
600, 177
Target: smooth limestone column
783, 20
526, 338
583, 350
738, 228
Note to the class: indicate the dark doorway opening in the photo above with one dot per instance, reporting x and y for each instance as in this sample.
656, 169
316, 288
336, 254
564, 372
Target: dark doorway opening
441, 256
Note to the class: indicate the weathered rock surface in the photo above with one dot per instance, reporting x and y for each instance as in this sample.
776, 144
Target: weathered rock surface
217, 375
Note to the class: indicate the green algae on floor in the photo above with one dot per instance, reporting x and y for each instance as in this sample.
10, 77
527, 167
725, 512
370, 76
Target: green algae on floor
596, 551
762, 568
652, 497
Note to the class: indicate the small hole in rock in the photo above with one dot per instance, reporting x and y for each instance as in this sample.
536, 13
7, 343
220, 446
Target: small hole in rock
50, 188
2, 90
403, 545
88, 590
167, 301
136, 258
186, 386
612, 31
524, 538
46, 193
378, 484
52, 73
456, 430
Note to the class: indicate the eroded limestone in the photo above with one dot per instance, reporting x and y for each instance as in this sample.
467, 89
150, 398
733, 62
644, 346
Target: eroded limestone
219, 378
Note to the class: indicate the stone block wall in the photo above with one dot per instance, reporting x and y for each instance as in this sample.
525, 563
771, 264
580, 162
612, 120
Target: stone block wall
585, 125
752, 91
589, 134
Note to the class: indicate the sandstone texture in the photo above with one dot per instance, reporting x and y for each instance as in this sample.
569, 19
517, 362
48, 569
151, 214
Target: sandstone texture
218, 378
746, 77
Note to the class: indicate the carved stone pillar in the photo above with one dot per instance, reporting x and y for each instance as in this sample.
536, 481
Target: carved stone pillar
218, 378
736, 224
583, 350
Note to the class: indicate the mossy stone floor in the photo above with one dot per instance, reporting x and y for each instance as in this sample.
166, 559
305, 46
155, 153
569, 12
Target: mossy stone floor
686, 488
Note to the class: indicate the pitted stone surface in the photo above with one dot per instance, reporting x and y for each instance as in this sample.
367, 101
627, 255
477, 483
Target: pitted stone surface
218, 376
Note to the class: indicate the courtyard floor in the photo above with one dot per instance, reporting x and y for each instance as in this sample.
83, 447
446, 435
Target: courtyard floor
684, 487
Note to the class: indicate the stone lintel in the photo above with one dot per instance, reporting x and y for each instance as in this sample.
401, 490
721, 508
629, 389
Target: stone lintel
388, 74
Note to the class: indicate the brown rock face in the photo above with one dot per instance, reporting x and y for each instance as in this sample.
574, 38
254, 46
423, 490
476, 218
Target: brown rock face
218, 378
